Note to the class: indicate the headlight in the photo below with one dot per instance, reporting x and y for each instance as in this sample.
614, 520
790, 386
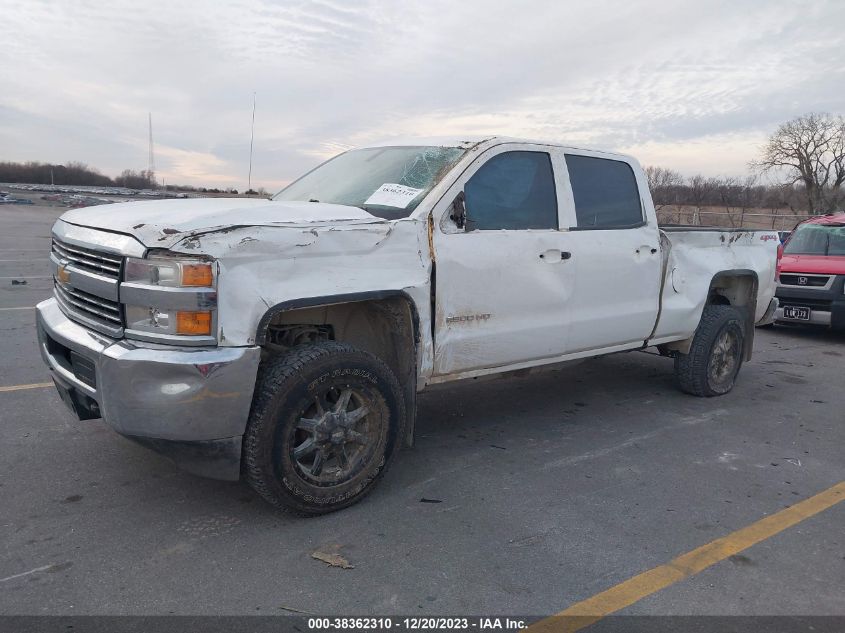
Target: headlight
169, 300
169, 273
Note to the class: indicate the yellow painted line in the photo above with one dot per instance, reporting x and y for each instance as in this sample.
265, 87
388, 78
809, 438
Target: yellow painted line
35, 385
584, 613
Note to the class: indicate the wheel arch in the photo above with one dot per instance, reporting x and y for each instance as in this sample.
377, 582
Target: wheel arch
738, 288
735, 287
385, 323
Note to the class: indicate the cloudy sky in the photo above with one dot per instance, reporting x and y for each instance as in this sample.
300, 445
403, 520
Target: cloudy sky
689, 84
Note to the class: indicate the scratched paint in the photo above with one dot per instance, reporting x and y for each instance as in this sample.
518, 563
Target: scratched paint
282, 263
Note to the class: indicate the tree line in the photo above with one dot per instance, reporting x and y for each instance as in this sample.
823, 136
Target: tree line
73, 173
670, 188
80, 174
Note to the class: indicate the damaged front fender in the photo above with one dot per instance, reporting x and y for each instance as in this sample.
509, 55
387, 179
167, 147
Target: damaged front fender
267, 269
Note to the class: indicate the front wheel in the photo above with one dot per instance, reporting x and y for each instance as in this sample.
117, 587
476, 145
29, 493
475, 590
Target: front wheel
324, 426
715, 356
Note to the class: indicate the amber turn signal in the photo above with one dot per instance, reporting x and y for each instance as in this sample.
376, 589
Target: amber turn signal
193, 323
197, 275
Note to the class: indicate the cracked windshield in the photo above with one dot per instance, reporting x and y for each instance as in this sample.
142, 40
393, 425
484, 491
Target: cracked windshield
388, 182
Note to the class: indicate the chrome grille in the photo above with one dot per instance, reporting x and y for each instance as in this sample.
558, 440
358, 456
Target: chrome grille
97, 262
88, 308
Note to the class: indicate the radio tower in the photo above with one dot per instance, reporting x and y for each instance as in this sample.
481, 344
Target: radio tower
151, 167
251, 138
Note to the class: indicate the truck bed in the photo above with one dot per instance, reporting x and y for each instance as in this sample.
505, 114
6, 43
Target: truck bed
695, 255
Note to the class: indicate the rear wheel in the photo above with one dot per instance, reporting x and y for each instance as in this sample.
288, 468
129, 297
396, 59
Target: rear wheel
324, 426
715, 356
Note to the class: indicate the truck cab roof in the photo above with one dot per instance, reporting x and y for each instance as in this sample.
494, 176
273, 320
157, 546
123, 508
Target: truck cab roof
469, 141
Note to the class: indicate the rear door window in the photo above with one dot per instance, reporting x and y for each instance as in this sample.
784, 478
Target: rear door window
605, 192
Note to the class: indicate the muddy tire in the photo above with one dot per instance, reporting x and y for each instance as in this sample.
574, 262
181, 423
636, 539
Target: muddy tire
714, 359
325, 424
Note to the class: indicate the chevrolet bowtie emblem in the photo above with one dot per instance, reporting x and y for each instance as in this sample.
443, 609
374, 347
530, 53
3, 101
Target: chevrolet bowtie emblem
62, 274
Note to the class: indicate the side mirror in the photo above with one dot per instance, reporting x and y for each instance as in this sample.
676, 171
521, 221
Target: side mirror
458, 214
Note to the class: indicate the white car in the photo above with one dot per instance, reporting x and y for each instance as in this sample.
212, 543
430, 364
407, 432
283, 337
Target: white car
284, 341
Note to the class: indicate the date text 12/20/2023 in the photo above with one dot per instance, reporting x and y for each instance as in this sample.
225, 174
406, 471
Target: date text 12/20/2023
416, 624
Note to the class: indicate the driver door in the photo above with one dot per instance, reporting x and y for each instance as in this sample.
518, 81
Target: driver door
503, 277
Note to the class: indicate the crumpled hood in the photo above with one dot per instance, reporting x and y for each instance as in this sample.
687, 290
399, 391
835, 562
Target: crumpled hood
163, 223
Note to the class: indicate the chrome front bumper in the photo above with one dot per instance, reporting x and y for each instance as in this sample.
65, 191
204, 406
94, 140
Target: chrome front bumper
190, 404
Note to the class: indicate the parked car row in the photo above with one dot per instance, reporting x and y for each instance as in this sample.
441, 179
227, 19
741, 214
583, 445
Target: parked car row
96, 191
7, 198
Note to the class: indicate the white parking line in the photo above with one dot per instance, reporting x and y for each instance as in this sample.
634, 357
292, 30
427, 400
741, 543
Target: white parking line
20, 308
28, 277
27, 573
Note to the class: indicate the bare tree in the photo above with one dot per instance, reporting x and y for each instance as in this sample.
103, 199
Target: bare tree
701, 192
728, 190
136, 179
749, 197
810, 149
664, 185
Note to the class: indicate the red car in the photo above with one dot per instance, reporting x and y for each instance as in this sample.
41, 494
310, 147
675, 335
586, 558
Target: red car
811, 273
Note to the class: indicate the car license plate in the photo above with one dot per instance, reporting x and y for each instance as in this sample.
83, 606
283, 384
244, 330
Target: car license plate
794, 312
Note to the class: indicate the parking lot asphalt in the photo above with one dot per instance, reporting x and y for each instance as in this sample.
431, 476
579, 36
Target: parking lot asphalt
522, 496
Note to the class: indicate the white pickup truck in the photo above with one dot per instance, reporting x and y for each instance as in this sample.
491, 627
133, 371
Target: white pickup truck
284, 341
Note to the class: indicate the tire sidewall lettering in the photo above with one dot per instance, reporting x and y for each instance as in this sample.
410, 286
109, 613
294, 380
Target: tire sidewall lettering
342, 372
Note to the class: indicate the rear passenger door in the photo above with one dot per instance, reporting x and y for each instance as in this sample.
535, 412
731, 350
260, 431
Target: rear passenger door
615, 252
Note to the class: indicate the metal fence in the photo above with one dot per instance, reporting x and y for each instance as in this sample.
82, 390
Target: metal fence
733, 219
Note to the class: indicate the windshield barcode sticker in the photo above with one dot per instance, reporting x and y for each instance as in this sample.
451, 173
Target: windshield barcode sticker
392, 195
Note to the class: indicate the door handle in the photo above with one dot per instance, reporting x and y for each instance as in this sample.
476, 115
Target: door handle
554, 255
